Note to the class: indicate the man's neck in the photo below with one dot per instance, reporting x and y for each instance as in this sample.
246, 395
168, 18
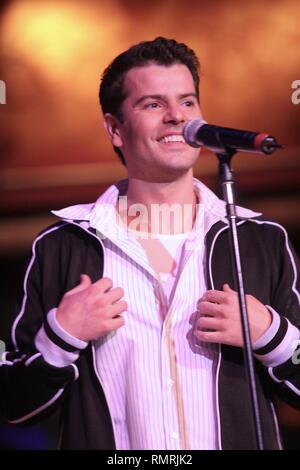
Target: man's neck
179, 191
166, 207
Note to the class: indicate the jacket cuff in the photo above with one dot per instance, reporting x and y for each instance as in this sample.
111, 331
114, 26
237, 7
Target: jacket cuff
277, 344
57, 347
268, 335
62, 338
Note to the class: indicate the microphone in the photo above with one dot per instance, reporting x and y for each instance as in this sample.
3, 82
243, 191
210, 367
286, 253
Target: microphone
198, 133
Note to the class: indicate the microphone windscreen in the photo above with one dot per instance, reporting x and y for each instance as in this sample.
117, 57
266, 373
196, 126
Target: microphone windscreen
190, 131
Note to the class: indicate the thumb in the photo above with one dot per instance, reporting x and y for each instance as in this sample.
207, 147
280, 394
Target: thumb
85, 281
227, 288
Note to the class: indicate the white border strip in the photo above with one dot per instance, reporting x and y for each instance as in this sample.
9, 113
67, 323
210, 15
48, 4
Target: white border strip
32, 358
38, 410
260, 222
15, 324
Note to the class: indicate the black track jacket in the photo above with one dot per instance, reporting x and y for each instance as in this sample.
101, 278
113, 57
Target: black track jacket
30, 388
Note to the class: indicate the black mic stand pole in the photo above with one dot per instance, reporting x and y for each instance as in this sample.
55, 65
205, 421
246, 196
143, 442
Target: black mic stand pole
227, 182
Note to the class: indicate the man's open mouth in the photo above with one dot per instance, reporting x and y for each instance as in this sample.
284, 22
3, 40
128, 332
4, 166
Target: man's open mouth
171, 138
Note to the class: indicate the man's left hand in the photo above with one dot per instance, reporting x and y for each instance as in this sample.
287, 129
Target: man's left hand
219, 312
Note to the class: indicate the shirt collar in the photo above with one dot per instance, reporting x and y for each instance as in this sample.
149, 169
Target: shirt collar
102, 213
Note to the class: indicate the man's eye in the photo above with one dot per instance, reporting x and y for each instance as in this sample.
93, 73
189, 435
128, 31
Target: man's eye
153, 105
188, 103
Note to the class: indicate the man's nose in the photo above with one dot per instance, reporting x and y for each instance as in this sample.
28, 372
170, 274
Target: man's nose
174, 114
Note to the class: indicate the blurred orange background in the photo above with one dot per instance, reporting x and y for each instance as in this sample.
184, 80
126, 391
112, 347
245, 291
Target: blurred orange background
52, 57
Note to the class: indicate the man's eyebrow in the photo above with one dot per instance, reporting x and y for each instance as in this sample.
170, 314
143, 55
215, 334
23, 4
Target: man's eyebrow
145, 97
163, 97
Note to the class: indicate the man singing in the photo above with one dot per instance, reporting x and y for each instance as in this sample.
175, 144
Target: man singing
129, 323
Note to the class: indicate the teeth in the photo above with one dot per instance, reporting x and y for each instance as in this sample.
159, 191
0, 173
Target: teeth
171, 138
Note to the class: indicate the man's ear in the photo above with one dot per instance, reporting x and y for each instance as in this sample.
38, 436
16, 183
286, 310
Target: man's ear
112, 124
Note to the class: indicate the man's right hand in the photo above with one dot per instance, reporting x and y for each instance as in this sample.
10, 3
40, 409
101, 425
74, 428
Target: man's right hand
91, 310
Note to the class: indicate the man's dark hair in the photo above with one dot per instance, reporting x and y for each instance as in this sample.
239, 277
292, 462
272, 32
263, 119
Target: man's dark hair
160, 51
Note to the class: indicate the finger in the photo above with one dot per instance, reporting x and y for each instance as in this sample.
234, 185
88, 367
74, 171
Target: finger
217, 296
103, 285
117, 308
115, 323
209, 308
209, 336
210, 323
112, 296
227, 288
85, 281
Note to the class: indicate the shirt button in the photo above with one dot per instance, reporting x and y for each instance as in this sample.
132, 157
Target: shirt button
175, 435
170, 382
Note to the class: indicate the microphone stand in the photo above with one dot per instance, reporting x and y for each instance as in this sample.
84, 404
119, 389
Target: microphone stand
227, 182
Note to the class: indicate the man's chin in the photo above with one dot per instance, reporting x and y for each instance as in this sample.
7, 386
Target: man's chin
168, 174
178, 165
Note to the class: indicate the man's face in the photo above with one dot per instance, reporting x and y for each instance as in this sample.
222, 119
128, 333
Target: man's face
159, 101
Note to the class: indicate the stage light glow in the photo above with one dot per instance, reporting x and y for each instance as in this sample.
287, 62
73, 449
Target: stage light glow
57, 36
